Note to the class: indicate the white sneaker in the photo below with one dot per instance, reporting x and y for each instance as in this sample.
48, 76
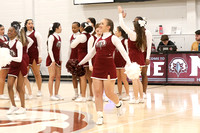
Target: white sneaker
134, 101
144, 95
105, 99
120, 97
21, 110
53, 98
99, 118
59, 97
39, 94
141, 100
74, 98
121, 110
80, 99
11, 110
126, 98
30, 97
17, 98
4, 97
90, 98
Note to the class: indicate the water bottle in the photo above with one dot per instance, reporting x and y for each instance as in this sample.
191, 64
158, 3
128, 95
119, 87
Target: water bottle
199, 47
160, 29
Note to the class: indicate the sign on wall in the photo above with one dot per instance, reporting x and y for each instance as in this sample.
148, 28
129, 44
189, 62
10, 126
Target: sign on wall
179, 68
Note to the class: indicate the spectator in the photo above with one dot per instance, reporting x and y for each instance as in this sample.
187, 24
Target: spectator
165, 41
195, 44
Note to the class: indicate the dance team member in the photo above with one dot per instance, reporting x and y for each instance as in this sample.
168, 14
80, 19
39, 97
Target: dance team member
120, 64
35, 52
73, 54
139, 44
17, 69
104, 69
53, 61
81, 42
92, 21
4, 70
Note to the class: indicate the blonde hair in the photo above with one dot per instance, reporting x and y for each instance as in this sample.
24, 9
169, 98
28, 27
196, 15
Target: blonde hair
23, 38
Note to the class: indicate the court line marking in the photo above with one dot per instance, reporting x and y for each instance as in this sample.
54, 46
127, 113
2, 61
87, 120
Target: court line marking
134, 122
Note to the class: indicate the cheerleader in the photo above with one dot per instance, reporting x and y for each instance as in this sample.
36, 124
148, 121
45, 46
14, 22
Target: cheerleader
35, 52
120, 64
140, 41
73, 54
104, 69
3, 70
81, 42
92, 22
53, 61
17, 69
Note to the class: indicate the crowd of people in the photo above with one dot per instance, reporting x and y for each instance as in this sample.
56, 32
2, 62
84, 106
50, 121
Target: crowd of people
103, 53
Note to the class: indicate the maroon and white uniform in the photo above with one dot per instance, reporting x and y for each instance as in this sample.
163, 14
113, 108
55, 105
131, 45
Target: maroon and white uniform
25, 50
74, 51
54, 53
34, 51
104, 63
119, 60
91, 43
81, 42
135, 54
4, 40
18, 63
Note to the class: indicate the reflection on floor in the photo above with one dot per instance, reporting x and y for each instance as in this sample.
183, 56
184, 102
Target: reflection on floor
167, 109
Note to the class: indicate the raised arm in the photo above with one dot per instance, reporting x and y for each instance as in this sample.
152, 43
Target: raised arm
131, 33
117, 42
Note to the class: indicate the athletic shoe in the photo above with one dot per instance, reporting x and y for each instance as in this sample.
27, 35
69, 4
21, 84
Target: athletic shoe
121, 110
80, 99
105, 99
99, 118
74, 98
59, 97
90, 98
11, 110
141, 100
144, 95
53, 98
4, 97
120, 97
21, 110
134, 101
39, 94
30, 97
17, 98
126, 98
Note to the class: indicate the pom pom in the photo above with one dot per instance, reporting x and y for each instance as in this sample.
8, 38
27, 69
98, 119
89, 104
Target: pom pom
5, 57
73, 68
3, 45
132, 71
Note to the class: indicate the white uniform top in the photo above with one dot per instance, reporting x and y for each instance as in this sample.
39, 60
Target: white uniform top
50, 46
19, 48
116, 42
132, 35
79, 39
39, 41
30, 42
69, 49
